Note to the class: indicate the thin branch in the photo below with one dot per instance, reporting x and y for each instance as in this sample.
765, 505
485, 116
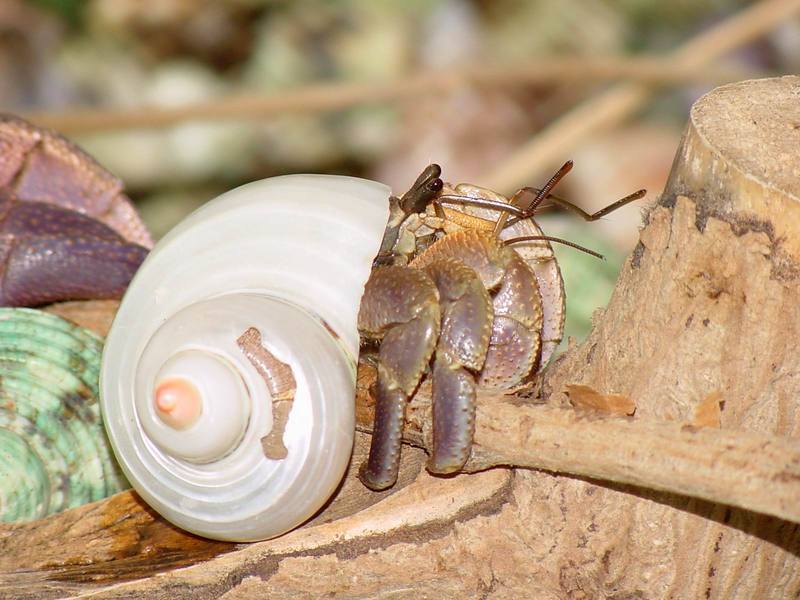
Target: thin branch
613, 106
749, 470
757, 472
340, 95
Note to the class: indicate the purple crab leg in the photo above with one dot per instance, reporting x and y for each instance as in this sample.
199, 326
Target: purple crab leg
400, 306
49, 253
461, 351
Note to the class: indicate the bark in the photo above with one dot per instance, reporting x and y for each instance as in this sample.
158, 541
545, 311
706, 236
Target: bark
704, 312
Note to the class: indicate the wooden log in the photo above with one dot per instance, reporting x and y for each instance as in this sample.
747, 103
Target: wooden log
707, 305
704, 309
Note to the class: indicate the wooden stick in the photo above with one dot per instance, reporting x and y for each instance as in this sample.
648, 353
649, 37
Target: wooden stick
613, 106
750, 470
754, 471
340, 95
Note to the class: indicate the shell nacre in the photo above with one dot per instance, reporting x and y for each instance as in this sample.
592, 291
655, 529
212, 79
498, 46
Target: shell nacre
271, 272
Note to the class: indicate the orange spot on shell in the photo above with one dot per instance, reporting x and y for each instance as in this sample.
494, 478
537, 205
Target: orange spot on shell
178, 402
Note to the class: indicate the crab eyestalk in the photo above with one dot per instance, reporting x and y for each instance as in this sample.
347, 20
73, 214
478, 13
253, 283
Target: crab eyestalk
427, 186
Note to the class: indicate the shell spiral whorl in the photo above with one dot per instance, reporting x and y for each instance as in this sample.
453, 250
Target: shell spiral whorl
54, 453
228, 377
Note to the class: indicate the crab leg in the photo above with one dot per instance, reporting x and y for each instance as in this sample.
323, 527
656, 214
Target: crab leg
49, 253
461, 351
401, 306
515, 343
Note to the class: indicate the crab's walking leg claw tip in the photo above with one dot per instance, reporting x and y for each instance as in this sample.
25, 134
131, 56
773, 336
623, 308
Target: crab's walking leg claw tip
379, 472
453, 418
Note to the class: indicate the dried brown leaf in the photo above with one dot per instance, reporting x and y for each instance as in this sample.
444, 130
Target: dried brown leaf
583, 396
707, 413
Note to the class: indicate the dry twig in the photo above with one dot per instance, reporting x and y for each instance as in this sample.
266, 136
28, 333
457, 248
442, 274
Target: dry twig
615, 105
340, 95
754, 471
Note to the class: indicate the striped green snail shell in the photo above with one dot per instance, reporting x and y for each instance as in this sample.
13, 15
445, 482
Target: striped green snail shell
54, 453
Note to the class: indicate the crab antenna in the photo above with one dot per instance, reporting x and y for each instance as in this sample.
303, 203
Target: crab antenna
537, 200
557, 200
548, 187
548, 238
500, 224
481, 202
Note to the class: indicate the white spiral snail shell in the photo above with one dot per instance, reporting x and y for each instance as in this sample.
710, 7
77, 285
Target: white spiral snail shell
271, 271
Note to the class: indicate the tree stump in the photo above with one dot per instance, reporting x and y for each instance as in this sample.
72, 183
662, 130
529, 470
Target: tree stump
700, 333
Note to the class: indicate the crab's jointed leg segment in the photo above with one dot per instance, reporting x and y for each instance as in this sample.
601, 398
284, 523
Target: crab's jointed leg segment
516, 339
401, 306
461, 351
516, 331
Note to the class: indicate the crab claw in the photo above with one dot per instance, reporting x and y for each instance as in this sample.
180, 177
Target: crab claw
50, 254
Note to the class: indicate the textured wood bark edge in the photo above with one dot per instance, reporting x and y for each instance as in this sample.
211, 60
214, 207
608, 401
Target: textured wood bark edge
396, 520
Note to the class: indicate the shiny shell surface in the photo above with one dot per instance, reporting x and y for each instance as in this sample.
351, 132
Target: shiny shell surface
54, 453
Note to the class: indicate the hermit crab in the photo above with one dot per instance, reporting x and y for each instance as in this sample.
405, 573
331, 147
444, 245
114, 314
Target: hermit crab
460, 291
228, 377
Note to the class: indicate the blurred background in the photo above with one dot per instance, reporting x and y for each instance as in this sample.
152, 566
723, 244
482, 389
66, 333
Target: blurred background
184, 99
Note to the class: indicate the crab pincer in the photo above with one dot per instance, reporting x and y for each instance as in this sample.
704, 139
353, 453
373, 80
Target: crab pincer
67, 230
517, 311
